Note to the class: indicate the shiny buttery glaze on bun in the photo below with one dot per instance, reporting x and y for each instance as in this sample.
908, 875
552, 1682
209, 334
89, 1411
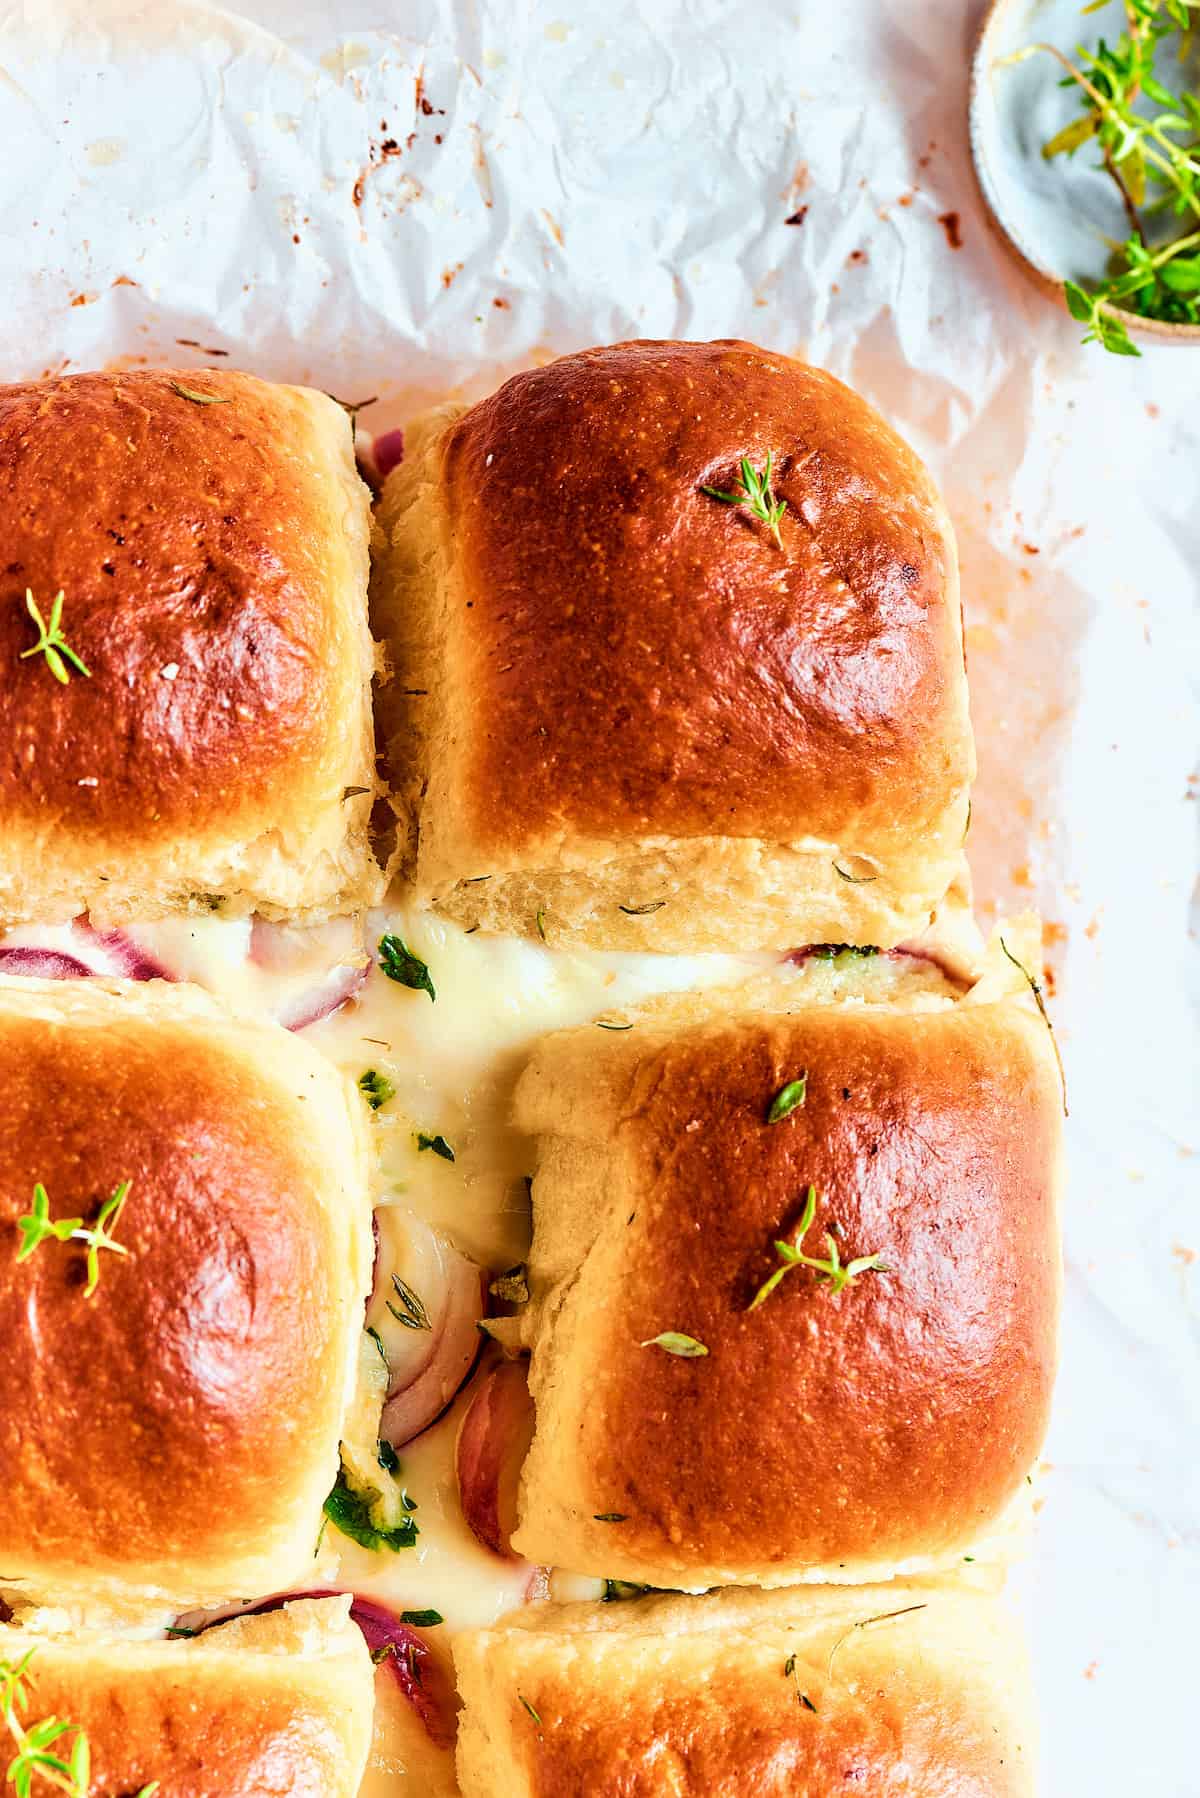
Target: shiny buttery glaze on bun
836, 1435
212, 559
624, 704
172, 1437
257, 1708
912, 1691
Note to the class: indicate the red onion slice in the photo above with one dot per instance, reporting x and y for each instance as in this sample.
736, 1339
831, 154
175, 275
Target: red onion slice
388, 451
410, 1660
42, 964
326, 959
492, 1445
315, 1003
132, 961
454, 1348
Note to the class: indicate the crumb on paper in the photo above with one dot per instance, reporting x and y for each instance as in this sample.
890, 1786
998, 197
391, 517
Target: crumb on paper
949, 221
104, 151
341, 61
1186, 1257
798, 217
1090, 1670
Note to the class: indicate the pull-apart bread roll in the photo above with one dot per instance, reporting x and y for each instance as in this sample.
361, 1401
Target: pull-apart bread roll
208, 535
794, 1284
909, 1691
630, 712
186, 1237
256, 1708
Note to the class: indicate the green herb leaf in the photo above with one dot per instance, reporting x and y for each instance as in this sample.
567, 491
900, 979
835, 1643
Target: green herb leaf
438, 1144
350, 1512
375, 1088
642, 911
197, 398
51, 640
676, 1344
539, 918
422, 1619
788, 1099
37, 1227
832, 951
854, 880
617, 1590
603, 1024
755, 493
1068, 140
412, 1314
377, 1339
531, 1710
830, 1268
387, 1457
400, 964
610, 1517
1151, 157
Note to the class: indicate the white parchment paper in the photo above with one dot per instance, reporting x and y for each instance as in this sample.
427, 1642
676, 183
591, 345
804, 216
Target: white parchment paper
404, 197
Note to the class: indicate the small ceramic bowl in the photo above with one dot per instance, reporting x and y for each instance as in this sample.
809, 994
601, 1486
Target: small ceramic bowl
1053, 217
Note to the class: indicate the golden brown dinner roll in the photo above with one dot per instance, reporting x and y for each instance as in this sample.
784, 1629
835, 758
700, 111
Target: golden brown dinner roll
208, 534
261, 1706
839, 1428
171, 1434
901, 1689
625, 711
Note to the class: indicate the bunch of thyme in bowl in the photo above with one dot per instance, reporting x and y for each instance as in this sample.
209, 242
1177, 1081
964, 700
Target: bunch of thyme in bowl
1148, 139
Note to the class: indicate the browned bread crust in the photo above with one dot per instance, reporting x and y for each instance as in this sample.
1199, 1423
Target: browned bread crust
819, 1691
172, 1437
608, 679
836, 1435
259, 1708
213, 563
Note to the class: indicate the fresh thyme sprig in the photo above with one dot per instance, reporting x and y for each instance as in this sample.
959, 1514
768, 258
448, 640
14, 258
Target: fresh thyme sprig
37, 1226
41, 1747
755, 492
1153, 159
865, 1623
51, 643
1035, 987
831, 1268
802, 1698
